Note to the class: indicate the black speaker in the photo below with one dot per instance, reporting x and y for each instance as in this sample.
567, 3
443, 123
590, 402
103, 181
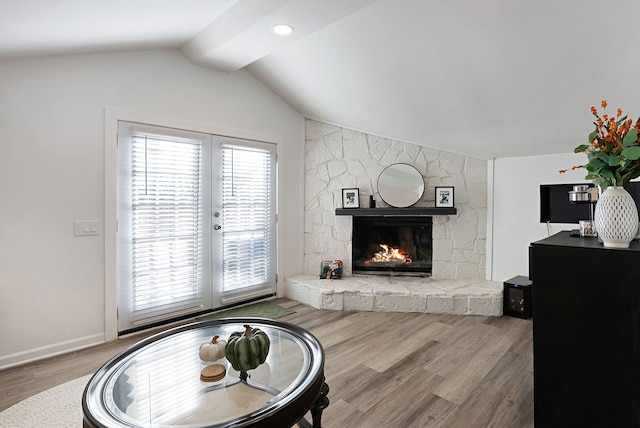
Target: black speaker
516, 297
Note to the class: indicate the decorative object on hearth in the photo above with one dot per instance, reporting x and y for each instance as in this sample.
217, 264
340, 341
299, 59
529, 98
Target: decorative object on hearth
247, 349
372, 202
331, 269
351, 198
400, 185
444, 196
613, 159
212, 350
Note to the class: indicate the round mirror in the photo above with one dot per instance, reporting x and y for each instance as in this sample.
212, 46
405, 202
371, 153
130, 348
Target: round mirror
400, 185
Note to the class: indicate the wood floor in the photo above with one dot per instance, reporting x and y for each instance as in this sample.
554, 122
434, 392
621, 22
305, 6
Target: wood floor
384, 370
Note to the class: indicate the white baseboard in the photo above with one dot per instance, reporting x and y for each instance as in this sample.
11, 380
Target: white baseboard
52, 350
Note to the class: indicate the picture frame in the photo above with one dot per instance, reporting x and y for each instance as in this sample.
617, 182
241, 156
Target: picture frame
351, 198
444, 196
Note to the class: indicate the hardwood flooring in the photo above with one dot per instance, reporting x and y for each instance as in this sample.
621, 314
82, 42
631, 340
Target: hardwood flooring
383, 369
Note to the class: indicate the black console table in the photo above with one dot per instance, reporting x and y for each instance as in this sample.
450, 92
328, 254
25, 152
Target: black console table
586, 333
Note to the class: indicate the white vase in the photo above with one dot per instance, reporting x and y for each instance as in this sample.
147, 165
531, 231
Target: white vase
616, 218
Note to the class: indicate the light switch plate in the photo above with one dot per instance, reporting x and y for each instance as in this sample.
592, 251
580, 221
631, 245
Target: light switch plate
86, 227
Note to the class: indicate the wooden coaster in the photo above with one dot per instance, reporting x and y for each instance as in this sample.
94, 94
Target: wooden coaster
213, 373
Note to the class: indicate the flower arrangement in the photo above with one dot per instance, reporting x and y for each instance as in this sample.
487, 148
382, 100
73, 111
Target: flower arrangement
613, 151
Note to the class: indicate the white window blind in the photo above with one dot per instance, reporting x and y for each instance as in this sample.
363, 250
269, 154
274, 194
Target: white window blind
249, 220
166, 227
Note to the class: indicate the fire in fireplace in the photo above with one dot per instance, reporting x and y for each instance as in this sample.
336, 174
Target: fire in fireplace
388, 255
392, 245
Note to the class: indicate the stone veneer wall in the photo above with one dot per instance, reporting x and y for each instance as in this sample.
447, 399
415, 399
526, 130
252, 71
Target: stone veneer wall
337, 158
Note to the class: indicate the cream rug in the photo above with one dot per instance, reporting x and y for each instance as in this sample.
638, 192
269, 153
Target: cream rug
57, 407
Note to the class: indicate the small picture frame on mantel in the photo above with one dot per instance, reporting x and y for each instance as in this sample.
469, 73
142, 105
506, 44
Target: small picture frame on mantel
444, 196
351, 198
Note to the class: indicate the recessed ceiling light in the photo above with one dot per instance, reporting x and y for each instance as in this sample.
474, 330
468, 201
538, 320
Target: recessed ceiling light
282, 29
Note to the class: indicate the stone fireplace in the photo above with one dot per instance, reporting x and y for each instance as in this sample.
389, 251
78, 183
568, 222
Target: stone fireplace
337, 158
392, 245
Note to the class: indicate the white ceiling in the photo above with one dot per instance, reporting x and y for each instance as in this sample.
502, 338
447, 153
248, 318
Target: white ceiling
485, 78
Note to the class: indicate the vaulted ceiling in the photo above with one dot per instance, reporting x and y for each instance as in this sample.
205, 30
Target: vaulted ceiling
484, 78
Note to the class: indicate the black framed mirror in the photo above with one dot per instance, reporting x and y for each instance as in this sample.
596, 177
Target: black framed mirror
400, 185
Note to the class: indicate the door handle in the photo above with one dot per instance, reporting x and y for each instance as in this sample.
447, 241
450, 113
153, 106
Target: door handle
217, 227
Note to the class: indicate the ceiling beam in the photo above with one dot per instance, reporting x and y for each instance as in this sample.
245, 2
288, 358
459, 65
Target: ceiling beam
244, 33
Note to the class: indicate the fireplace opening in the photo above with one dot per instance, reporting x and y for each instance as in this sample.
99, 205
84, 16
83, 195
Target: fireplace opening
392, 245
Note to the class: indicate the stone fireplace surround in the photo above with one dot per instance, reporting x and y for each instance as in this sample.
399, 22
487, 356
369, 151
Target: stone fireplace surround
397, 294
337, 158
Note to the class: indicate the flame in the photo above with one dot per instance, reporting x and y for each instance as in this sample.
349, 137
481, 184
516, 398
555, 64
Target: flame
388, 254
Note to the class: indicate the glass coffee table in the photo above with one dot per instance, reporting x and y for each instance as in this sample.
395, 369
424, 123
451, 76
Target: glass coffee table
156, 382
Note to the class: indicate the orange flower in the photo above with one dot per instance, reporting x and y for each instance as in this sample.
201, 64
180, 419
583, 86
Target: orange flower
616, 157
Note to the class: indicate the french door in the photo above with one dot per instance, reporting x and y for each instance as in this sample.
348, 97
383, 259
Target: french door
196, 222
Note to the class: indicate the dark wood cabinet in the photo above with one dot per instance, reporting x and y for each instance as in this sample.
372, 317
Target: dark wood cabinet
586, 333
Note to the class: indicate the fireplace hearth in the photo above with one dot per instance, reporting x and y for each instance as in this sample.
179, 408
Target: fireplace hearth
392, 245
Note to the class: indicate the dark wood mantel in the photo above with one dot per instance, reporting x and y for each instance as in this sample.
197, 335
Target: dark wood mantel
397, 212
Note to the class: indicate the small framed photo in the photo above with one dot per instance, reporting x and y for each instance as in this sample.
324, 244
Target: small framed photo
351, 198
444, 196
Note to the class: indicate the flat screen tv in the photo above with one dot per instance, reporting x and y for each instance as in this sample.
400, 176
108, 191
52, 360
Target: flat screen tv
556, 208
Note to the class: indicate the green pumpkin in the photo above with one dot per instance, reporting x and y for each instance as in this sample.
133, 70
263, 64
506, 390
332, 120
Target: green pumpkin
247, 349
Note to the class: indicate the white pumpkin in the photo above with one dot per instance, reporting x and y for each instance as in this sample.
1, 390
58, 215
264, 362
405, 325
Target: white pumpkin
213, 350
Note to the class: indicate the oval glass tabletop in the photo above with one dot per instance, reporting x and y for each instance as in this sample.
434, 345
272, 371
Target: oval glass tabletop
157, 383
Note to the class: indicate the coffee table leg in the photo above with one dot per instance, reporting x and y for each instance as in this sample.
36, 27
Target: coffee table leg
321, 403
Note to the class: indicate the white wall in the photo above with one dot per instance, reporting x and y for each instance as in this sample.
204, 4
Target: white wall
52, 157
516, 208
